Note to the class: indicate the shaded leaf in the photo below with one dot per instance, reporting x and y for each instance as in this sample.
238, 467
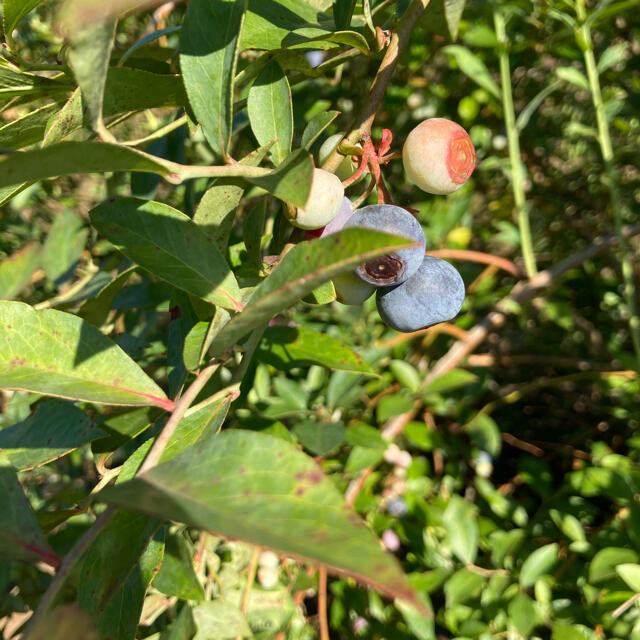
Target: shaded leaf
20, 83
316, 126
17, 269
306, 266
242, 484
63, 246
58, 354
28, 129
218, 620
604, 563
176, 576
95, 310
13, 12
20, 536
170, 245
463, 585
343, 12
208, 54
66, 622
52, 431
474, 68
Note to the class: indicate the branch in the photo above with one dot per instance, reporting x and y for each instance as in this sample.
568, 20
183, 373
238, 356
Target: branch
397, 44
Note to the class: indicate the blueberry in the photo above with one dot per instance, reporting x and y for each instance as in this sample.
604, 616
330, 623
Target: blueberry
431, 295
393, 268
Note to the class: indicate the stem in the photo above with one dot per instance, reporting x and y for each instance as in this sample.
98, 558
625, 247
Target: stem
517, 176
322, 603
606, 148
159, 133
399, 40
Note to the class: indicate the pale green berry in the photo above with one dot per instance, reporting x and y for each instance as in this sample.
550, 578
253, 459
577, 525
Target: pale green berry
323, 204
352, 290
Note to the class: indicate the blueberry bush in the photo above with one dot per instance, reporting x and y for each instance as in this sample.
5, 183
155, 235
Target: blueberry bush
319, 319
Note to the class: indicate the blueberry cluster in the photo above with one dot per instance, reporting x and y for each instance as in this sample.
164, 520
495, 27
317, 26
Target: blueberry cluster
413, 291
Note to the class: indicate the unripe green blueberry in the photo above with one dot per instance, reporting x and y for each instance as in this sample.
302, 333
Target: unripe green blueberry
352, 290
438, 156
346, 168
325, 200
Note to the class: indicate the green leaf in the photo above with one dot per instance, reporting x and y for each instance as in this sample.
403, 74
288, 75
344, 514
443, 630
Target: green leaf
364, 435
89, 51
258, 488
463, 585
484, 431
630, 573
406, 374
525, 115
343, 12
170, 245
66, 622
449, 381
539, 563
474, 68
208, 55
320, 438
58, 354
63, 246
20, 536
13, 12
67, 158
604, 563
420, 625
291, 181
117, 570
574, 76
324, 294
302, 269
271, 111
453, 13
217, 208
52, 431
182, 628
16, 270
295, 346
218, 620
522, 614
177, 577
315, 127
613, 55
462, 538
19, 83
28, 129
95, 310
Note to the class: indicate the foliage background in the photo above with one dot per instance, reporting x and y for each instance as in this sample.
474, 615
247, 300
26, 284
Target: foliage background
514, 508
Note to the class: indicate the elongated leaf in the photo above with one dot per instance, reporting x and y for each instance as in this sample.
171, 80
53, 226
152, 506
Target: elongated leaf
474, 68
28, 129
170, 245
574, 76
208, 54
52, 431
117, 571
525, 115
293, 346
13, 11
95, 310
320, 438
89, 51
20, 536
316, 126
177, 577
63, 245
16, 270
67, 158
58, 354
19, 83
630, 573
216, 212
305, 267
271, 111
343, 12
259, 488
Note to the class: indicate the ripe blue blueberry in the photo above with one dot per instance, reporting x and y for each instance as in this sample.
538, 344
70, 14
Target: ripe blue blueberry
431, 295
393, 268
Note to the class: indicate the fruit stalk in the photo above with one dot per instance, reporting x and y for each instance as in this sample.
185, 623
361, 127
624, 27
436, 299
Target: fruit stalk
606, 149
517, 177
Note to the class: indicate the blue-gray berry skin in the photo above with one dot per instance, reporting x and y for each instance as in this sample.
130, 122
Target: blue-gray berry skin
396, 267
433, 294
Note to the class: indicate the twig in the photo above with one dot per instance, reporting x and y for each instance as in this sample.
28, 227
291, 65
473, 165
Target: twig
322, 603
399, 40
477, 256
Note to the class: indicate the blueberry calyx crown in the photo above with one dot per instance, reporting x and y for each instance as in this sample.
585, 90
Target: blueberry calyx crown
385, 270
